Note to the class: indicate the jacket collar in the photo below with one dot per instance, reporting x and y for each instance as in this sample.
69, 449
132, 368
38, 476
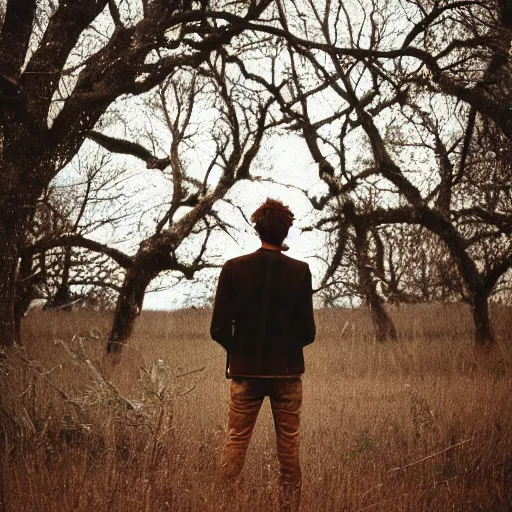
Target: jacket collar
267, 250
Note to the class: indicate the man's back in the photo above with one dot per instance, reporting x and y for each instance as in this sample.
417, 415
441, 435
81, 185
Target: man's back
263, 314
263, 317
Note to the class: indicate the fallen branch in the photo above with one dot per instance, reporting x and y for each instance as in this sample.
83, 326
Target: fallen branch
190, 372
433, 455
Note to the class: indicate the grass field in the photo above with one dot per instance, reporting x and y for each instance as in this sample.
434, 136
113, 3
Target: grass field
424, 424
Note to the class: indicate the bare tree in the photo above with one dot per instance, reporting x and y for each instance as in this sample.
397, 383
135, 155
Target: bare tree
59, 261
63, 65
399, 104
355, 267
417, 267
231, 137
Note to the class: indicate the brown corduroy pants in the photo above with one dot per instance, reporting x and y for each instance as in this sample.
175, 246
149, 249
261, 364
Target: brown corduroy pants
246, 397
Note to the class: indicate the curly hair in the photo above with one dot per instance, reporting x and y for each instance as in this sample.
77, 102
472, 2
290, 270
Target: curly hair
272, 220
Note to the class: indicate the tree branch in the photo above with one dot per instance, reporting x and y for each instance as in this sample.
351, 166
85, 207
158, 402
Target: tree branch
125, 147
41, 76
72, 240
15, 36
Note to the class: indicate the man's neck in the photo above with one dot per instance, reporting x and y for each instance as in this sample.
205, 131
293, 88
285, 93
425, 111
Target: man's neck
265, 245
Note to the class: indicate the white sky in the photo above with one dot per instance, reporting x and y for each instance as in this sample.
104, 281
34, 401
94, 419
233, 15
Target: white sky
284, 159
289, 161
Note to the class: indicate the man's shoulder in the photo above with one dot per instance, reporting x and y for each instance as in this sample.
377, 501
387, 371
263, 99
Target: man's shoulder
295, 262
234, 261
257, 254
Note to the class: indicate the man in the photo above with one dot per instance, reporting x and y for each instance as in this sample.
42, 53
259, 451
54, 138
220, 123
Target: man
263, 317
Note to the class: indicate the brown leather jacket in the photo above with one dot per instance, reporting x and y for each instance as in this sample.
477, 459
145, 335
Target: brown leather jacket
263, 314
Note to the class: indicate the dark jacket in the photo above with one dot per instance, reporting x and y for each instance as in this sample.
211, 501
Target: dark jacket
263, 314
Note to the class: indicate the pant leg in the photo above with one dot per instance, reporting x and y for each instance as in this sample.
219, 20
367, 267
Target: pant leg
286, 400
244, 405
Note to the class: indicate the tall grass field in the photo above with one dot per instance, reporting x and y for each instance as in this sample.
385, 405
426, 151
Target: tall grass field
422, 424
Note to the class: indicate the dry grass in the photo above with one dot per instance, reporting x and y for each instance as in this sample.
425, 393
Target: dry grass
76, 439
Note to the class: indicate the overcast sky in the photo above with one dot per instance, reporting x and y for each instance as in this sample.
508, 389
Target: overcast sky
288, 161
283, 158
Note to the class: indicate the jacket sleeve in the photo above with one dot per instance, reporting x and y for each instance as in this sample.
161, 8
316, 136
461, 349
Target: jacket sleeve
221, 328
305, 316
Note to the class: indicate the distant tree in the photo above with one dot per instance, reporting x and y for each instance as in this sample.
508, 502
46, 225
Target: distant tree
407, 264
58, 262
416, 266
355, 268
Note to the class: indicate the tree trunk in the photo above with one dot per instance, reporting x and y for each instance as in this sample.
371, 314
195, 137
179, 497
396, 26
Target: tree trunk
9, 251
384, 327
24, 292
8, 260
129, 306
62, 297
480, 309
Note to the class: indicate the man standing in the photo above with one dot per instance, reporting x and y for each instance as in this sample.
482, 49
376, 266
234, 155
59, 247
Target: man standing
263, 317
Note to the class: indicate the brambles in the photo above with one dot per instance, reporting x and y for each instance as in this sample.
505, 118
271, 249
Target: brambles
148, 433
